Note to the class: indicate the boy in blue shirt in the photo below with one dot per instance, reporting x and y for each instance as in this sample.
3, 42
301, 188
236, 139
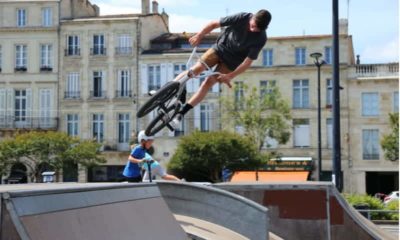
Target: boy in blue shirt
132, 171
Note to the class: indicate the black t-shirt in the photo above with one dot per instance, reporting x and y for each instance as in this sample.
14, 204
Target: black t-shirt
236, 42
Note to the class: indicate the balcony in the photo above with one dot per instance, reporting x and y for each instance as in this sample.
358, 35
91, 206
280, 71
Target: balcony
98, 51
20, 69
123, 94
123, 51
13, 122
375, 70
46, 69
72, 95
72, 51
97, 94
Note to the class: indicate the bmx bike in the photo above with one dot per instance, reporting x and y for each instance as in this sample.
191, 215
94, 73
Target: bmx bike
167, 100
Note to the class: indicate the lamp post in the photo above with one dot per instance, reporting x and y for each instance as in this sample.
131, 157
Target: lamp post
319, 62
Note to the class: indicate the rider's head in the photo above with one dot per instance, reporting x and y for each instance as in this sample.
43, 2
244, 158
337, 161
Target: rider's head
144, 140
260, 21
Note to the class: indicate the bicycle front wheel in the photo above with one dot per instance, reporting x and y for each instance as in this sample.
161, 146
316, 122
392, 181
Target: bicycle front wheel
161, 120
160, 97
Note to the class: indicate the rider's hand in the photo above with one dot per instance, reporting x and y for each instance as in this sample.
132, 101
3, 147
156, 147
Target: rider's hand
195, 40
225, 78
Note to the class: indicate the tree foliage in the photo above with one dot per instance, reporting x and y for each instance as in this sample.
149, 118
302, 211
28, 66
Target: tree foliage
53, 149
201, 156
390, 142
261, 116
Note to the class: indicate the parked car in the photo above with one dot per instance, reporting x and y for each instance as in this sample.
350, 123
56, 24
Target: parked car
393, 196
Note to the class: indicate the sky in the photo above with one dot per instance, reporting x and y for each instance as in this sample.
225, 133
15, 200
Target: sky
374, 24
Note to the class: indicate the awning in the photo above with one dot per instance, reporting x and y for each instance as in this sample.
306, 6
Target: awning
263, 176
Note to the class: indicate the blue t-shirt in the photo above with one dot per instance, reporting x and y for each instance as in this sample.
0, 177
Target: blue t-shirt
133, 169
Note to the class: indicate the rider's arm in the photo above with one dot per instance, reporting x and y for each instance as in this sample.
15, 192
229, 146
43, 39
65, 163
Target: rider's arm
226, 78
135, 160
195, 40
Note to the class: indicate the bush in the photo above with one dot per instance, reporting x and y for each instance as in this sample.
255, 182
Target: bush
372, 203
393, 205
201, 156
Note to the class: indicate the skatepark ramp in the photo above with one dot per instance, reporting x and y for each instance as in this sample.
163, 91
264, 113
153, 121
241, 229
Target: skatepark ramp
310, 210
92, 211
217, 207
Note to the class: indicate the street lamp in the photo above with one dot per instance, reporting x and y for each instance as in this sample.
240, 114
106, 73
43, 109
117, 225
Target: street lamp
319, 62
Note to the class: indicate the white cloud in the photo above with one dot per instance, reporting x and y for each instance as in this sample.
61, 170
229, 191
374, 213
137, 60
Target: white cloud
178, 3
382, 53
186, 23
110, 9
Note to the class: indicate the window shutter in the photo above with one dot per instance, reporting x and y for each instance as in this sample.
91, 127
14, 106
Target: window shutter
163, 74
197, 117
29, 105
170, 72
10, 102
3, 106
144, 78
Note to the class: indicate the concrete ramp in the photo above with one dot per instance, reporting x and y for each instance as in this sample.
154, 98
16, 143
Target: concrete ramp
311, 210
109, 211
225, 215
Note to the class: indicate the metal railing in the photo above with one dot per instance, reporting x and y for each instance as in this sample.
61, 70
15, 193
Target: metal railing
123, 50
368, 212
72, 95
72, 51
98, 94
13, 122
123, 94
98, 51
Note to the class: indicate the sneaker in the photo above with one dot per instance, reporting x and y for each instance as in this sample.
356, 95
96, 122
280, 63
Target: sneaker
176, 122
152, 92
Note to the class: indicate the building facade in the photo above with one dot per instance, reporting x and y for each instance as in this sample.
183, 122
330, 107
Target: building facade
64, 67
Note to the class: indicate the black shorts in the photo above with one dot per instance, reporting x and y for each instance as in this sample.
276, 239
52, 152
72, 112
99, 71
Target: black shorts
133, 179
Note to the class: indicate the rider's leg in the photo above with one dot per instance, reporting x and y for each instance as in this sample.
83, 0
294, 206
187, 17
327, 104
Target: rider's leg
194, 71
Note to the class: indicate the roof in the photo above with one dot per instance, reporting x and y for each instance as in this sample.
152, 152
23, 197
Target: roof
264, 176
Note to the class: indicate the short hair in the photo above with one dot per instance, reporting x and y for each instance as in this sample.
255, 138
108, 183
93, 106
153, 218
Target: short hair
262, 19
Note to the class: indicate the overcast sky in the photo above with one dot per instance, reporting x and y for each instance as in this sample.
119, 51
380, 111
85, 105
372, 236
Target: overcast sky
374, 24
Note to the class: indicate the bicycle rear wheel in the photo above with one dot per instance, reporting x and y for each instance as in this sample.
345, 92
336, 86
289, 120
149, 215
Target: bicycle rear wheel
161, 120
161, 96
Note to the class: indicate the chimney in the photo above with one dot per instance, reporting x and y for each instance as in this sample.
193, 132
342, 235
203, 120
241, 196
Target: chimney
155, 7
145, 6
343, 27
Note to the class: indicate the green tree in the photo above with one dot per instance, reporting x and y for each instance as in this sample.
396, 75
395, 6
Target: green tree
260, 115
201, 156
390, 142
52, 149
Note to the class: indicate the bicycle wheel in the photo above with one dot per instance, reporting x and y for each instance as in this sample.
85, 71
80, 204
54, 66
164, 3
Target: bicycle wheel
160, 97
161, 120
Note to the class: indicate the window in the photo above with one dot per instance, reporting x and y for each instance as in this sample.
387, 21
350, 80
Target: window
154, 72
73, 85
370, 104
328, 55
205, 117
98, 45
300, 94
45, 107
329, 92
300, 56
0, 58
20, 105
47, 17
21, 17
46, 57
370, 142
270, 143
301, 132
266, 87
98, 127
20, 58
268, 57
123, 128
329, 133
124, 44
179, 68
124, 78
239, 93
395, 97
72, 125
73, 46
98, 84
